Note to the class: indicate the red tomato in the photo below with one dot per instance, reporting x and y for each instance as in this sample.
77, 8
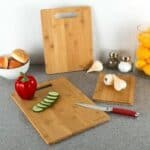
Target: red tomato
25, 86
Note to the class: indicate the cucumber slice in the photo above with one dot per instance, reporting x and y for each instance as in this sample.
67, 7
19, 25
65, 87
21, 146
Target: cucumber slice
53, 93
41, 105
51, 97
37, 109
45, 103
49, 100
52, 100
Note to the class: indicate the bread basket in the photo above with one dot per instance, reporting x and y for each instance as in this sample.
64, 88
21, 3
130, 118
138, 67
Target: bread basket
15, 72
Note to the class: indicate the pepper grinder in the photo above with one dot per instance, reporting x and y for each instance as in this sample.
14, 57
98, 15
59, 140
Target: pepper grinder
113, 60
125, 64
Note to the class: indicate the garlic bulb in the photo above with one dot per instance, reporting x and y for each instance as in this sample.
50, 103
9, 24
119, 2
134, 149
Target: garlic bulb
112, 79
108, 79
96, 66
119, 84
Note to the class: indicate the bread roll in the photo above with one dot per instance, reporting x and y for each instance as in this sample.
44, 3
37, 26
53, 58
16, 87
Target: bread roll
4, 62
14, 64
20, 55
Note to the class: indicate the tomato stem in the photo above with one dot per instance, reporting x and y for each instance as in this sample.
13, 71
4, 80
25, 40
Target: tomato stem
24, 77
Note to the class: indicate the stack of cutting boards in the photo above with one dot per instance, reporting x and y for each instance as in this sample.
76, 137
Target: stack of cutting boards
67, 39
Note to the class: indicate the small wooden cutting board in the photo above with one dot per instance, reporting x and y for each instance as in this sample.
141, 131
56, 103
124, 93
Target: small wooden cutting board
65, 118
109, 94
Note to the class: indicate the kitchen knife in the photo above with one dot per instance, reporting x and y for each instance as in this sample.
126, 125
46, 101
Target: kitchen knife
115, 110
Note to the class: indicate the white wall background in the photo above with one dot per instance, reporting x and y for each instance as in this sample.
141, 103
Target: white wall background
114, 24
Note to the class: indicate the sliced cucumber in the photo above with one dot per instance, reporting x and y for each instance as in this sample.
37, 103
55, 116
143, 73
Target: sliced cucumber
49, 100
35, 108
45, 103
51, 97
47, 97
53, 93
41, 105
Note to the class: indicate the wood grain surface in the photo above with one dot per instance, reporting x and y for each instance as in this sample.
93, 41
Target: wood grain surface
65, 118
67, 40
105, 93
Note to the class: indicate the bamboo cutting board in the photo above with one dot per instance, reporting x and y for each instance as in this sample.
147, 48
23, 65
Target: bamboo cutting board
65, 118
108, 94
67, 39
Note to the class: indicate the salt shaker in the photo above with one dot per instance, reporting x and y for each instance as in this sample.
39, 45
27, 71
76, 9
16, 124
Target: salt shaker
125, 64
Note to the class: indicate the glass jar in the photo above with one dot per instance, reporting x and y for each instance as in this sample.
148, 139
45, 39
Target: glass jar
143, 51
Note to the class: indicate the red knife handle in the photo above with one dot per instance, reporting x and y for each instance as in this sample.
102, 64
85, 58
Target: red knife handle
125, 112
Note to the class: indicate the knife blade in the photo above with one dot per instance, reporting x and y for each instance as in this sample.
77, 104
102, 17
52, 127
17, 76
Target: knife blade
115, 110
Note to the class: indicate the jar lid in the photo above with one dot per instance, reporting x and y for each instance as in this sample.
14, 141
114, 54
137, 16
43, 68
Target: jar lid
126, 58
113, 54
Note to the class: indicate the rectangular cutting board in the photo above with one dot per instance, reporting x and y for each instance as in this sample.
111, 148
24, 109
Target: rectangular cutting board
67, 38
65, 118
105, 93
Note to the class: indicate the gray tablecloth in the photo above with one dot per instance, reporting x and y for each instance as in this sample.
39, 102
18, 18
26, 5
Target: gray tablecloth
121, 133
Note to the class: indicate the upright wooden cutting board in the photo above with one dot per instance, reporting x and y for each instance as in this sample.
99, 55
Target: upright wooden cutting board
65, 118
67, 39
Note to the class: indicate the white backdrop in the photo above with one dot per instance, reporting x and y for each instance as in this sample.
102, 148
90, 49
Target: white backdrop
114, 24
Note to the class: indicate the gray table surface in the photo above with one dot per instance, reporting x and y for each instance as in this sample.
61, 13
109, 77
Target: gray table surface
120, 133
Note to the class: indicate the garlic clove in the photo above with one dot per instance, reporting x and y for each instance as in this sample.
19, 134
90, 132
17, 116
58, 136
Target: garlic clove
119, 84
96, 66
108, 79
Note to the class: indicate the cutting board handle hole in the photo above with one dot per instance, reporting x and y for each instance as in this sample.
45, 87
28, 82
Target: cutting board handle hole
65, 15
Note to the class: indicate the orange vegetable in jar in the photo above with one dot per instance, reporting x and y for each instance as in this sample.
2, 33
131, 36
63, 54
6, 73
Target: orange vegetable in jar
144, 36
144, 39
147, 60
139, 64
142, 52
146, 70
